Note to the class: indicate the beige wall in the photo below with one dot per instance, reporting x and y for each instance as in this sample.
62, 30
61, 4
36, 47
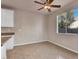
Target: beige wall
68, 41
30, 27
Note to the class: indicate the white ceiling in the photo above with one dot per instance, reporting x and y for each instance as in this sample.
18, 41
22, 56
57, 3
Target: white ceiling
31, 6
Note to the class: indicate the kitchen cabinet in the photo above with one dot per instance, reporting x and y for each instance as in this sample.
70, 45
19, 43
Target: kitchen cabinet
9, 44
7, 18
3, 52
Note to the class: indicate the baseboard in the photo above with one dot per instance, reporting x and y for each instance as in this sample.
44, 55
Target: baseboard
30, 43
48, 41
64, 47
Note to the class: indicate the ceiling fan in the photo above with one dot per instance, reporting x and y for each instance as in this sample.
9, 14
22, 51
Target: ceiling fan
47, 5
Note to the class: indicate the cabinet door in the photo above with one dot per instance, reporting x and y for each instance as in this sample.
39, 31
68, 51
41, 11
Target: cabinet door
7, 18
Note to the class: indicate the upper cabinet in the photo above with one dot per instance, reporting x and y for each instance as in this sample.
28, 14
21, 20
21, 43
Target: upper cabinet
7, 18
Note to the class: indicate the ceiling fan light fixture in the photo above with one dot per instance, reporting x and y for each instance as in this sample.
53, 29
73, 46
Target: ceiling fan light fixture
47, 7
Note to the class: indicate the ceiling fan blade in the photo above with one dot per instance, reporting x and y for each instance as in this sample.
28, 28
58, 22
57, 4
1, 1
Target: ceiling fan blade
49, 10
39, 2
50, 1
58, 6
40, 8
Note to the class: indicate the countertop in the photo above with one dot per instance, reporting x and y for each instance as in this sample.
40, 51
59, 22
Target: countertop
7, 33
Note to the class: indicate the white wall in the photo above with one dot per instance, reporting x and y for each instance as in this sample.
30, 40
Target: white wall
29, 26
65, 40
